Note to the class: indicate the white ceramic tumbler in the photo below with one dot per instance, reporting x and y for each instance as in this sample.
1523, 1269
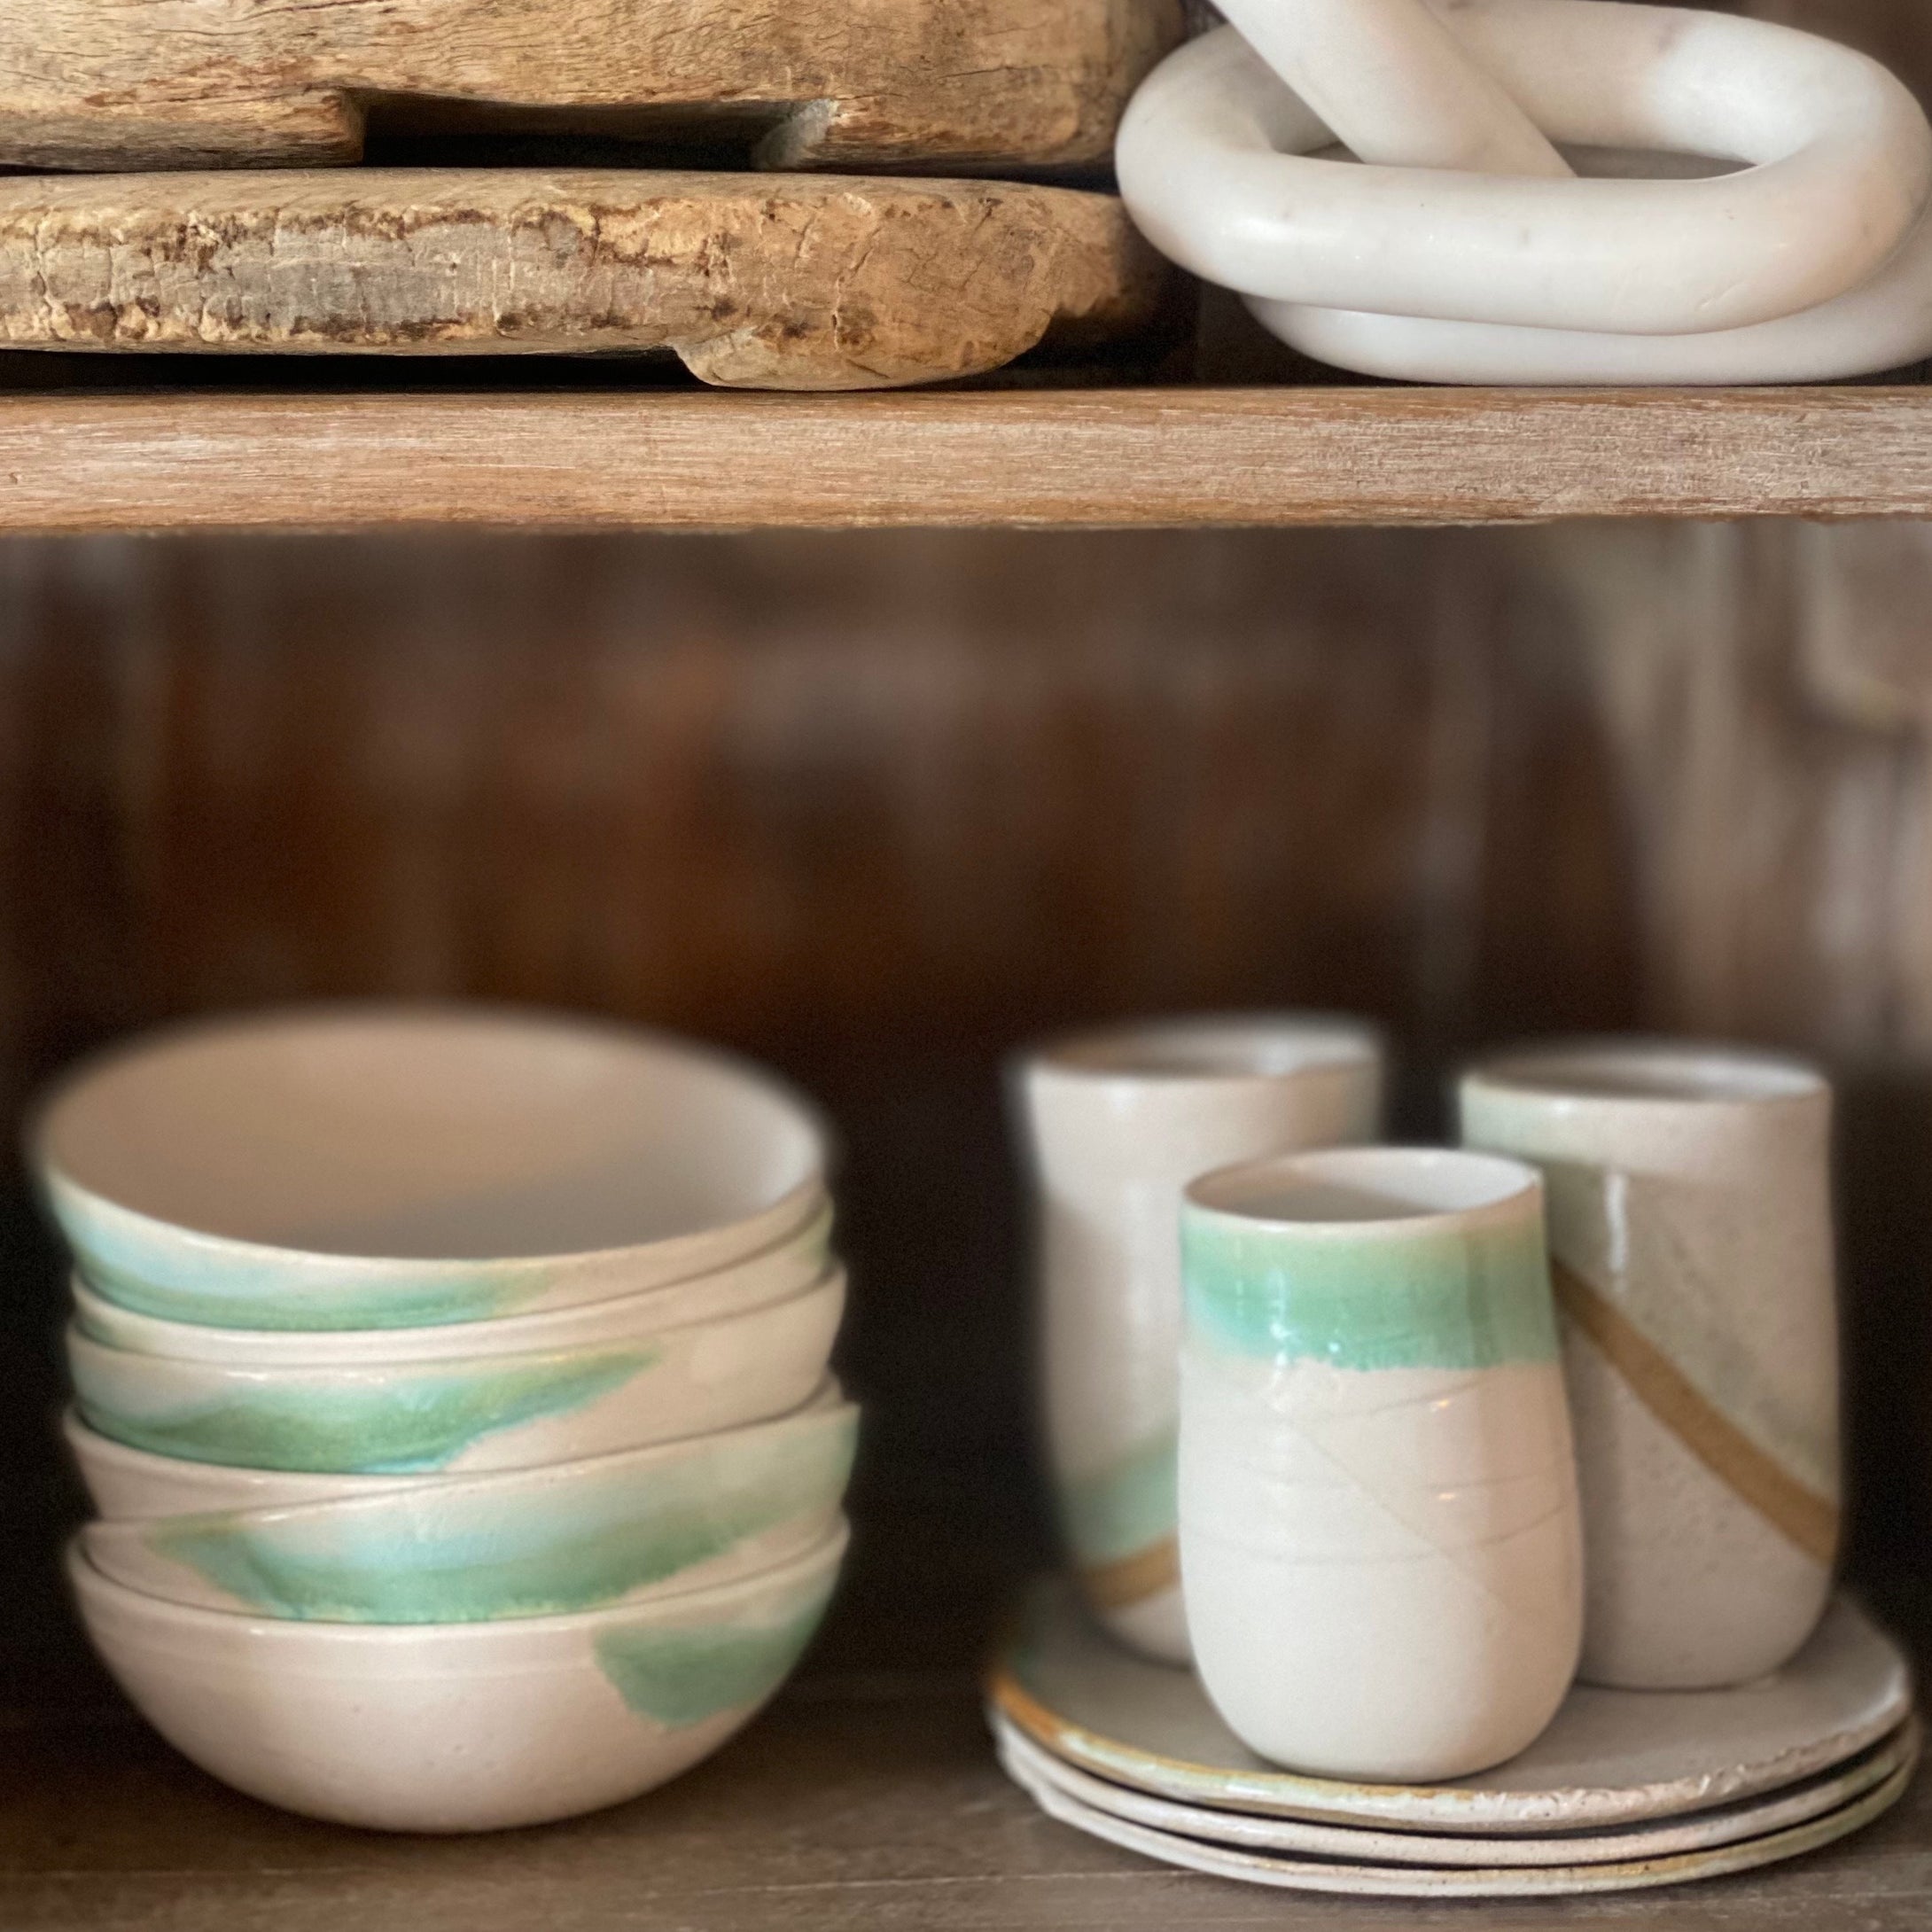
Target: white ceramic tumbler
1379, 1537
1117, 1123
1691, 1232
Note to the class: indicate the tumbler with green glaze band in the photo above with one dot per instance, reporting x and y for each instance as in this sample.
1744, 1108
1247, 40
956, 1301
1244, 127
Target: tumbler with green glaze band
1379, 1538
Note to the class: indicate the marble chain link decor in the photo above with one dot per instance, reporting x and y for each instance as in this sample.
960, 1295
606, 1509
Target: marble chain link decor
1543, 190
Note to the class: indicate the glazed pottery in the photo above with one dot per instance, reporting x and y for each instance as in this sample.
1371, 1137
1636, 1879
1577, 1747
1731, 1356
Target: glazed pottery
1335, 1875
571, 1536
1728, 1825
1690, 1226
124, 1483
400, 1167
1115, 1124
497, 1411
450, 1727
1610, 1758
1433, 261
1379, 1537
779, 1271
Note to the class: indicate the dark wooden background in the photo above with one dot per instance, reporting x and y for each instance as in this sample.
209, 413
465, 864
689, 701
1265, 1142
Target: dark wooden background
879, 807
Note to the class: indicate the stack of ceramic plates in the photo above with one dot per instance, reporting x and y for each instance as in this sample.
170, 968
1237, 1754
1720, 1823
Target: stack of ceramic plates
1626, 1788
453, 1389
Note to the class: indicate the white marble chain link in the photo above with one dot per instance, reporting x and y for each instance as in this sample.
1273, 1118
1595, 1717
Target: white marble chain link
1454, 242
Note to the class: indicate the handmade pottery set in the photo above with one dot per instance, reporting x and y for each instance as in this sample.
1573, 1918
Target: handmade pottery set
452, 1388
1758, 208
1491, 1491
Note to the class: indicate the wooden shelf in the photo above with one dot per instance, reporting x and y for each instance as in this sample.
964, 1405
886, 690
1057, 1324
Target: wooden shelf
853, 1804
204, 458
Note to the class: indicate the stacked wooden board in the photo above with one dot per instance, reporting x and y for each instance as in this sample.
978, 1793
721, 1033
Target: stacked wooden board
209, 196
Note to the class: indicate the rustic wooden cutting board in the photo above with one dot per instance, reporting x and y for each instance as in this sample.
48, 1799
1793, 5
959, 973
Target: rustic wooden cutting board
940, 86
756, 281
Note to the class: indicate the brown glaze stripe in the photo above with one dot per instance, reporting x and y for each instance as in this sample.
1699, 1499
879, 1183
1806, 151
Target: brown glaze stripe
1133, 1579
1807, 1518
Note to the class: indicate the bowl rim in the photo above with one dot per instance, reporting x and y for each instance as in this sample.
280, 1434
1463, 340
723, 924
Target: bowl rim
830, 1280
38, 1127
828, 1407
291, 1342
85, 1578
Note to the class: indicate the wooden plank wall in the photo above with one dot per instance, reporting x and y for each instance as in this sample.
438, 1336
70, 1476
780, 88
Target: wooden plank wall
878, 806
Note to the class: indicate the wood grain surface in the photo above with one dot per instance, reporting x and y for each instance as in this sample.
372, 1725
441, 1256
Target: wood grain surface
857, 1805
940, 86
877, 806
778, 281
72, 462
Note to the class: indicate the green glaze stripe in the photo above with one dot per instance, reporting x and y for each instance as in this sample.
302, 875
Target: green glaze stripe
274, 1305
263, 1298
466, 1558
407, 1425
1125, 1506
678, 1677
150, 1268
1458, 1299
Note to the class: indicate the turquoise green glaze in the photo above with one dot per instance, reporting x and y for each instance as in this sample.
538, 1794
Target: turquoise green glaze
1456, 1297
155, 1270
1125, 1506
678, 1677
403, 1426
512, 1549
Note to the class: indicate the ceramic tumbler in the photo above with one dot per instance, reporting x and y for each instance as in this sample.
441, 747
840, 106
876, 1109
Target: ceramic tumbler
1691, 1235
1115, 1124
1379, 1538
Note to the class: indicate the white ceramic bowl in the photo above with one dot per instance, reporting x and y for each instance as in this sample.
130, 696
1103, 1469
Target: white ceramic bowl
500, 1412
573, 1536
126, 1484
369, 1167
794, 1263
446, 1728
132, 1483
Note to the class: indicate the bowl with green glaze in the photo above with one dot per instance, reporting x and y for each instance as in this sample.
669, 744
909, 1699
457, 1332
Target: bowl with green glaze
572, 1536
494, 1412
405, 1166
459, 1727
780, 1271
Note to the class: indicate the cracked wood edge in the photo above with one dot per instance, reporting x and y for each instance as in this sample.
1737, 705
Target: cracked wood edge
967, 86
793, 282
670, 460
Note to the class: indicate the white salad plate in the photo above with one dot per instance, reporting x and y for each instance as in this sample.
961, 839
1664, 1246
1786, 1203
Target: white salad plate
1461, 1881
1611, 1758
1818, 1797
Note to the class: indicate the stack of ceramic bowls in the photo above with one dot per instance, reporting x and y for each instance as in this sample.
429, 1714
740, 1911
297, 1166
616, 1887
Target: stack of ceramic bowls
453, 1389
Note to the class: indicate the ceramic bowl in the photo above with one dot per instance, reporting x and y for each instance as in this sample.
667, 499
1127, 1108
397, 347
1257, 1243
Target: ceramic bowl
400, 1167
500, 1412
792, 1265
448, 1727
124, 1483
574, 1536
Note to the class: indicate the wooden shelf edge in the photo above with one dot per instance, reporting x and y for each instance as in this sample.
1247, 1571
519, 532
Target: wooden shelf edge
74, 461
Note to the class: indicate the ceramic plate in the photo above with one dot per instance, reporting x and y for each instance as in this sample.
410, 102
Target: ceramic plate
1610, 1758
1476, 1881
1729, 1825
